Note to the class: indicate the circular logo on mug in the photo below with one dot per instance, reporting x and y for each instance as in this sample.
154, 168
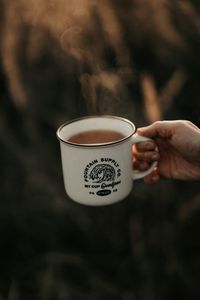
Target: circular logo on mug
102, 176
102, 172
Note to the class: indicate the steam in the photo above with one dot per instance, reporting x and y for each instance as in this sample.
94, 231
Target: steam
92, 30
98, 34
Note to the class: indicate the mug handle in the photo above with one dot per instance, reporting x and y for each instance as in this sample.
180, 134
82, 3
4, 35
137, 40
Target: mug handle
140, 174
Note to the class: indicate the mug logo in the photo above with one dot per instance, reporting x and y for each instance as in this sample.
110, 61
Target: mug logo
102, 176
102, 172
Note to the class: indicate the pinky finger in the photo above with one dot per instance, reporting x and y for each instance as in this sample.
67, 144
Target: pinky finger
152, 178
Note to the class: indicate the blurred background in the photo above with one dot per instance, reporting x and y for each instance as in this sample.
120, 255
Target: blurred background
65, 59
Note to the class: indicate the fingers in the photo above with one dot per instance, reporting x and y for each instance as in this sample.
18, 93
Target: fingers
152, 178
146, 152
145, 146
141, 165
148, 156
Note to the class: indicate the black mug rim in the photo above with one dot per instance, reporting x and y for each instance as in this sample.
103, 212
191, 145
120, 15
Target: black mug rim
93, 117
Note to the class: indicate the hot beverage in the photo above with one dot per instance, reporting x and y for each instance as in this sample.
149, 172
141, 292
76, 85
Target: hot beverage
96, 137
98, 170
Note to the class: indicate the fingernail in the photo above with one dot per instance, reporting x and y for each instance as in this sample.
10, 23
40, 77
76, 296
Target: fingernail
141, 129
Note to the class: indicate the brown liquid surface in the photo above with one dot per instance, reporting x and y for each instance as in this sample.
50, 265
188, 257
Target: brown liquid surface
96, 137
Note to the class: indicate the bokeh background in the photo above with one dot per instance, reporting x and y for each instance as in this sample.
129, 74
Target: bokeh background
65, 59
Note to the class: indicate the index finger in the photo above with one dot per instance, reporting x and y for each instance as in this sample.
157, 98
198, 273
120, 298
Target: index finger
145, 146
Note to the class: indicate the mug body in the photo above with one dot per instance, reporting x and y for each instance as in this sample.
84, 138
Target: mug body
97, 174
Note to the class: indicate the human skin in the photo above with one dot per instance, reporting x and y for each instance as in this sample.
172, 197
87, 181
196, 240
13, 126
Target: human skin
179, 151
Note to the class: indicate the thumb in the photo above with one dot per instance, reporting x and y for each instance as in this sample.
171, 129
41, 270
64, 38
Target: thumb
162, 129
148, 131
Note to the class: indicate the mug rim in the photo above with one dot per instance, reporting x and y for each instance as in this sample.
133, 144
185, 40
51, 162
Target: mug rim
93, 117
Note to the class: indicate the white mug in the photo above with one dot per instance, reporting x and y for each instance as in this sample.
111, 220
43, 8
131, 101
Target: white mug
99, 174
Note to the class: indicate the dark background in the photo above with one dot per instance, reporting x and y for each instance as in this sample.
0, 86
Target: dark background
65, 59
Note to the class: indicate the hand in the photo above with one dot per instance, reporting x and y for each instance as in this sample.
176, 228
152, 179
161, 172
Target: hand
179, 150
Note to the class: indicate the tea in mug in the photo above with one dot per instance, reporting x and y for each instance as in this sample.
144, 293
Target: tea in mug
96, 137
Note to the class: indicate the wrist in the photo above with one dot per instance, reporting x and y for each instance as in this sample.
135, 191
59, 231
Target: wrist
199, 148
